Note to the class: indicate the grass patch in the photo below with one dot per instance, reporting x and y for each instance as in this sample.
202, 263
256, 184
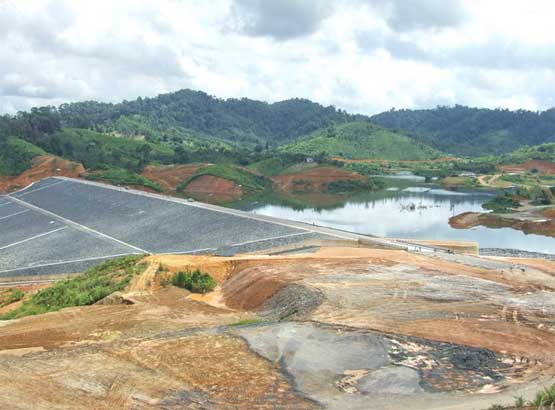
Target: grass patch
118, 176
196, 281
16, 156
247, 322
11, 296
272, 166
545, 398
502, 204
85, 289
250, 182
361, 140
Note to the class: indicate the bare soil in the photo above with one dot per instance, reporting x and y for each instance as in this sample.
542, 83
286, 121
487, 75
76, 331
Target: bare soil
42, 167
313, 179
169, 177
359, 328
471, 219
214, 189
544, 167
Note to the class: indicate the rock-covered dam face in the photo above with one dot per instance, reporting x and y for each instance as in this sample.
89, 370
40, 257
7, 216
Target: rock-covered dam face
61, 225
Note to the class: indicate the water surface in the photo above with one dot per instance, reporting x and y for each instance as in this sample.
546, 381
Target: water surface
413, 212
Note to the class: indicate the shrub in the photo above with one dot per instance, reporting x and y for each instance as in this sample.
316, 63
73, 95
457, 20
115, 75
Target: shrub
503, 203
545, 398
196, 281
14, 296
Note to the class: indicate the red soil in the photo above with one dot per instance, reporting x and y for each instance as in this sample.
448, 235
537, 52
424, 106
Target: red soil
42, 167
313, 179
169, 177
545, 167
214, 189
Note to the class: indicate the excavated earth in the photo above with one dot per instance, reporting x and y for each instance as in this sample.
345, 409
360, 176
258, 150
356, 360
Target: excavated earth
170, 176
543, 223
546, 167
337, 328
43, 166
313, 179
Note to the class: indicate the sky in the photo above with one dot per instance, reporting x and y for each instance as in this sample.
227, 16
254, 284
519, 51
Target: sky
364, 56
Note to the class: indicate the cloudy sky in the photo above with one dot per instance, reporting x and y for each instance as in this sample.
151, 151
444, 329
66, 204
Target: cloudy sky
364, 56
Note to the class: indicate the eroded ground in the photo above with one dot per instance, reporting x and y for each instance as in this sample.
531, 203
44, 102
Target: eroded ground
43, 166
339, 328
536, 220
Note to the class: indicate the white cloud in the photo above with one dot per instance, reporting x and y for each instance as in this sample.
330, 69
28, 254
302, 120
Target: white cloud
364, 55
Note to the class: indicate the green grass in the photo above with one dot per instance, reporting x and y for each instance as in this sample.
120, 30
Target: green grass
195, 282
13, 295
16, 155
96, 150
361, 140
545, 398
271, 166
85, 289
247, 322
502, 204
250, 182
120, 176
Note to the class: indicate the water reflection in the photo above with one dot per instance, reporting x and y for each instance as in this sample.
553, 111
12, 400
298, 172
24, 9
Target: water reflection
414, 212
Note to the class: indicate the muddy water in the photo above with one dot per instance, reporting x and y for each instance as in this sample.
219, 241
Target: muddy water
415, 212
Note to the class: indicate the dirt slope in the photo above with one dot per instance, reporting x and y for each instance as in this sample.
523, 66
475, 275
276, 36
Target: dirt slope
42, 167
209, 188
169, 177
545, 167
342, 328
313, 179
467, 220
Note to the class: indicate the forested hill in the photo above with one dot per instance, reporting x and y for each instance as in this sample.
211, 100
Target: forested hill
469, 131
240, 120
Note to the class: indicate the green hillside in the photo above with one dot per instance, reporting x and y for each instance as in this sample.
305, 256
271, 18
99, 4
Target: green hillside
361, 140
544, 152
16, 155
467, 131
186, 112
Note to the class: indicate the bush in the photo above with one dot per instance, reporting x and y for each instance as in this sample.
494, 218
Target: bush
502, 204
350, 186
196, 281
545, 398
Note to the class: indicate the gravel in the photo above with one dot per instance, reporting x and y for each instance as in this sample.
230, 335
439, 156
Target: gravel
515, 253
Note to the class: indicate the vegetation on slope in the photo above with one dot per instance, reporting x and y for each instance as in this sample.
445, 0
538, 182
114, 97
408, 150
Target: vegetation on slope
361, 140
502, 204
195, 282
118, 176
250, 182
544, 152
10, 296
95, 150
469, 131
343, 187
276, 163
85, 289
237, 120
16, 155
